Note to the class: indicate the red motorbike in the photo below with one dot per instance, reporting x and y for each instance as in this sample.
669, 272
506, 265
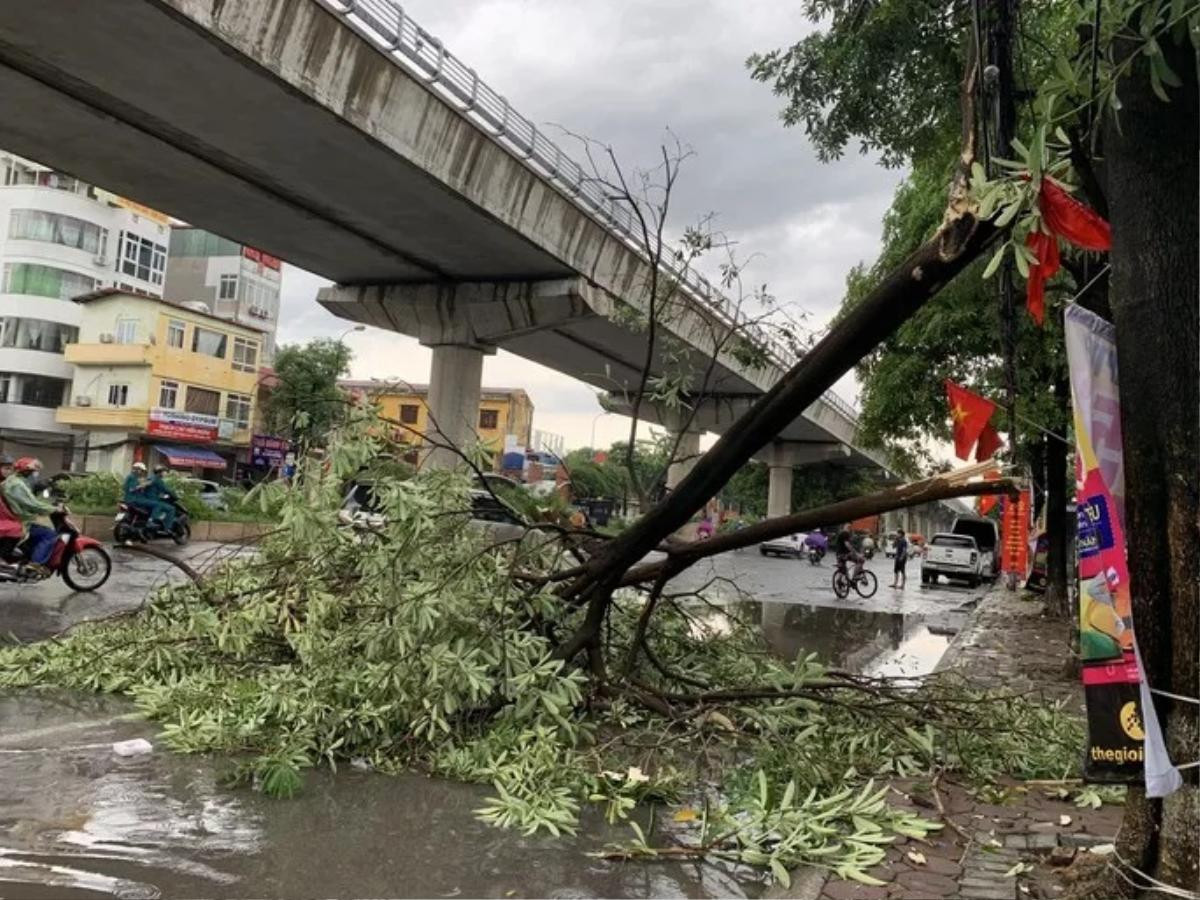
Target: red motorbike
81, 561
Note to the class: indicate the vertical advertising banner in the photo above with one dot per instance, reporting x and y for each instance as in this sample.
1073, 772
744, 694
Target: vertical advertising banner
1014, 534
1124, 740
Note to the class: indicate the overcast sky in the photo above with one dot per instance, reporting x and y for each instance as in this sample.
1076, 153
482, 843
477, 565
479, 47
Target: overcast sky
621, 73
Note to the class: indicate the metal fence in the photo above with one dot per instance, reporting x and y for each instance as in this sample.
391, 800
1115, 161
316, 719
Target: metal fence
388, 27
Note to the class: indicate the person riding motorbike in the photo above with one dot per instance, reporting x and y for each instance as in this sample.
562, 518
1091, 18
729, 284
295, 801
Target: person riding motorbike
844, 547
163, 498
816, 540
27, 508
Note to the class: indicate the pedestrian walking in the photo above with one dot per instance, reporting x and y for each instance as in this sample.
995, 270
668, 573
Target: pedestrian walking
901, 549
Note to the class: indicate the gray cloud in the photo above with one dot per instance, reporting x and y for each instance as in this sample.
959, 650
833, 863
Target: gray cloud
621, 73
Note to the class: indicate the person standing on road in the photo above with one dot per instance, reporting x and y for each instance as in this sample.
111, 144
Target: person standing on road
901, 549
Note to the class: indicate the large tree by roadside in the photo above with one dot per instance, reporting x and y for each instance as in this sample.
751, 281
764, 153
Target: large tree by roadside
1153, 150
304, 402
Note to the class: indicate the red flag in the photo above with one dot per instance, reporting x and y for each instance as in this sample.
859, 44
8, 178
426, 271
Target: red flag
1045, 248
987, 502
989, 443
1075, 221
970, 413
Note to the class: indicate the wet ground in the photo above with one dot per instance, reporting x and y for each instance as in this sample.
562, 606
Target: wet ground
78, 821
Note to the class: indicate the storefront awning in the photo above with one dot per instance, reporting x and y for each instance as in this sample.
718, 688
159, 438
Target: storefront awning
183, 455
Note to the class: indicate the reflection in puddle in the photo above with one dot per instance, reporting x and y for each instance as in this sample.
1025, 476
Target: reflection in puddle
881, 644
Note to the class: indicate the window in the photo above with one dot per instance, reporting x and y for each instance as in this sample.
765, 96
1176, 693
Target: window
210, 343
36, 334
54, 228
228, 287
32, 390
118, 395
237, 408
175, 332
245, 355
168, 391
45, 281
260, 299
408, 413
489, 418
126, 331
141, 258
200, 400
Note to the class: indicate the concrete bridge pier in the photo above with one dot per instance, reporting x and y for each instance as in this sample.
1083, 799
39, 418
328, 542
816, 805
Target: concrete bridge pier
782, 459
455, 383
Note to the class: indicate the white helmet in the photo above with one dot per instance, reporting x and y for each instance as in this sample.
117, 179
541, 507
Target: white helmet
139, 467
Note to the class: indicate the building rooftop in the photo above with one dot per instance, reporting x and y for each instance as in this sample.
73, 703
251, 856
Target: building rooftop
105, 293
408, 387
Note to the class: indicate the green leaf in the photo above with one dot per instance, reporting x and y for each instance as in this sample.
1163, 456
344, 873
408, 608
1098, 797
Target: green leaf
779, 870
1022, 262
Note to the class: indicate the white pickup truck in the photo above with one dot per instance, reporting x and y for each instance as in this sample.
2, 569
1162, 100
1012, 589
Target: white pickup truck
952, 555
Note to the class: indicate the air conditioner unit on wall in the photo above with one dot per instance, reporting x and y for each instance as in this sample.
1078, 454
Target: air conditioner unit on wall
100, 260
106, 338
81, 400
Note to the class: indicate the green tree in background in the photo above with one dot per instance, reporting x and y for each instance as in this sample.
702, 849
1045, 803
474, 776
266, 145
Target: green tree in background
812, 485
306, 402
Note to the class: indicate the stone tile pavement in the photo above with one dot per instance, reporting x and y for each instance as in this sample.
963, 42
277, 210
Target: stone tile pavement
1006, 850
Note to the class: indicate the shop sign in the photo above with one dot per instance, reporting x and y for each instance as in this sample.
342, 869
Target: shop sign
268, 452
182, 426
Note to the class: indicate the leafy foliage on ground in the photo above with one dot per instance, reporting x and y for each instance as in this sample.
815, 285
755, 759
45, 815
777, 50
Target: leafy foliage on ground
424, 645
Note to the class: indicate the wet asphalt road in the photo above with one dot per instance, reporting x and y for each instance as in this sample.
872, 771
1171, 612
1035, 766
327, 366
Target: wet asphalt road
30, 612
78, 821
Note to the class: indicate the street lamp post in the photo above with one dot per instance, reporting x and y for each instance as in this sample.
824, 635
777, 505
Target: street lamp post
595, 419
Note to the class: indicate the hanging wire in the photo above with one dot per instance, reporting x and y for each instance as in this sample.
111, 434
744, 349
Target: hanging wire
981, 106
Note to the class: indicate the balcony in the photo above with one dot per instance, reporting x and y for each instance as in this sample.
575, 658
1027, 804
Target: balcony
131, 419
109, 354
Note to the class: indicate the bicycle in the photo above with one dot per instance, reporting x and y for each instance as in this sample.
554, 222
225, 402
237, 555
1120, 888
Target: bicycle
864, 582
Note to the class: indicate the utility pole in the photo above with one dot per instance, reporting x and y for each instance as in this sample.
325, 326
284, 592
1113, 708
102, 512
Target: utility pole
1002, 112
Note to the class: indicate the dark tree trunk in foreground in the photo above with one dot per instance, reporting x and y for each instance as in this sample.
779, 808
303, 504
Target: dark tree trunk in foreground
1057, 598
1153, 189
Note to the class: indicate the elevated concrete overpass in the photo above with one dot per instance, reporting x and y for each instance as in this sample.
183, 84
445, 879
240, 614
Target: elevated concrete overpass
348, 141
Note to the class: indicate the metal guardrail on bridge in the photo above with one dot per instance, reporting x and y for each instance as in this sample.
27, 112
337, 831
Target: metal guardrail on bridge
388, 27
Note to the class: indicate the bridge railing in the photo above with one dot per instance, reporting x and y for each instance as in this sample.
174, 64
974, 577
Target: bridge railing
385, 24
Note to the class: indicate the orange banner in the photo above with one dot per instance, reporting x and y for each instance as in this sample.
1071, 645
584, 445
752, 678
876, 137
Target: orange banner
1014, 534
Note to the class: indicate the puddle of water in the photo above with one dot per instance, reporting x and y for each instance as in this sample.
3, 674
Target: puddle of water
78, 822
881, 644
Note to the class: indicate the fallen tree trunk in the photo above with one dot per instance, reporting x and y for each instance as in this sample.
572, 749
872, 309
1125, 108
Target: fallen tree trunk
682, 555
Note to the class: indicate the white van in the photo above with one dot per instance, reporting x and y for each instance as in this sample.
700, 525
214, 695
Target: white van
987, 537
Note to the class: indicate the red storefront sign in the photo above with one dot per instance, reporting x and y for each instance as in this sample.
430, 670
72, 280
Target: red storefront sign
182, 426
1014, 534
263, 259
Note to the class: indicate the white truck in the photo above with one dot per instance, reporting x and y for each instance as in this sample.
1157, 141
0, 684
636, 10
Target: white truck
987, 537
956, 556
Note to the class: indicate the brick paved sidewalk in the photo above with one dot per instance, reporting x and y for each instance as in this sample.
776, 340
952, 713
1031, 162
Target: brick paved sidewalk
1007, 641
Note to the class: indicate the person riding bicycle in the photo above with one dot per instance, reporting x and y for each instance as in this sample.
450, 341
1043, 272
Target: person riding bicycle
843, 546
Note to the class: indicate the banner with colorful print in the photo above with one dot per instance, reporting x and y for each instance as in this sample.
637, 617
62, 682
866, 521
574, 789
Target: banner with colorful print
1124, 739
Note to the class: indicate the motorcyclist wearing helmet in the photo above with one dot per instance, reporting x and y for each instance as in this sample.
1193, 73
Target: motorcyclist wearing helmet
136, 489
20, 499
163, 499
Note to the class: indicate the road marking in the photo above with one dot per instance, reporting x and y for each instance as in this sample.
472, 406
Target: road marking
38, 733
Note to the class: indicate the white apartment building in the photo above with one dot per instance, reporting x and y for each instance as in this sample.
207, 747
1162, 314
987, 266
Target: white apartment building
59, 237
235, 281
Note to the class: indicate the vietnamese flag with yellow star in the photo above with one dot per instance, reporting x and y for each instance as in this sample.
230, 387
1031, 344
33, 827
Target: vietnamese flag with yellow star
971, 414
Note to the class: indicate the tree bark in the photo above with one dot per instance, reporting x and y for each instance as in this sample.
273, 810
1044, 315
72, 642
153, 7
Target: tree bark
1057, 597
960, 241
1153, 189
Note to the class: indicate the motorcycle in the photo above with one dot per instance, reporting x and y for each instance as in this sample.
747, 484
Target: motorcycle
868, 552
815, 555
133, 523
81, 561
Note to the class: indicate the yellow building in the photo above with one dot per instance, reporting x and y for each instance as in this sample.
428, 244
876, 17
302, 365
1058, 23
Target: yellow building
161, 382
505, 414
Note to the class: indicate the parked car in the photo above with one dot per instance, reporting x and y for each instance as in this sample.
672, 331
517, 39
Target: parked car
790, 545
209, 491
361, 508
987, 536
956, 556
